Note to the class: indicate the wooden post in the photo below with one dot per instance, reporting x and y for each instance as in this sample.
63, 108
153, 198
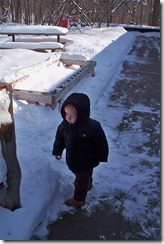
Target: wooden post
10, 195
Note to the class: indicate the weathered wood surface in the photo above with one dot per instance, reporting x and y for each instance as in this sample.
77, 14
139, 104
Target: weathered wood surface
10, 196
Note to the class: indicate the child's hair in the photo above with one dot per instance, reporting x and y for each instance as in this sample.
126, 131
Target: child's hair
71, 106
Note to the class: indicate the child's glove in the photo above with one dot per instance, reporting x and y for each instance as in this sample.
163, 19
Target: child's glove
57, 157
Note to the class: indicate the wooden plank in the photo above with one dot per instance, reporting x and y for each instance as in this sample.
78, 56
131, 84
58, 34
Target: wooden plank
70, 62
72, 81
33, 96
90, 64
38, 34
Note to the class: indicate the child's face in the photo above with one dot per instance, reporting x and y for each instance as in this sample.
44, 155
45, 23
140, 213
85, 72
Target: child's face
70, 113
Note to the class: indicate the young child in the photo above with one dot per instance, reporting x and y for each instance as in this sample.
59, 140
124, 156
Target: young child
85, 143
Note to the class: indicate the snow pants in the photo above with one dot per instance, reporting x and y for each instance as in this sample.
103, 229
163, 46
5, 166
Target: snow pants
82, 182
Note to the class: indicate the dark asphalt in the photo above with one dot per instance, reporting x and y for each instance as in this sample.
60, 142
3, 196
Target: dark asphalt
127, 92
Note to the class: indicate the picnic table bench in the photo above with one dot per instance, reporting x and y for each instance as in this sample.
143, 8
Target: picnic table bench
36, 46
14, 30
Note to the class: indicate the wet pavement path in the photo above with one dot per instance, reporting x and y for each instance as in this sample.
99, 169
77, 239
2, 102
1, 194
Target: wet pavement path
139, 84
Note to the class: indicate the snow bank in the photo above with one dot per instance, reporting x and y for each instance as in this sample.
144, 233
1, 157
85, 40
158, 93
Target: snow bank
22, 73
5, 118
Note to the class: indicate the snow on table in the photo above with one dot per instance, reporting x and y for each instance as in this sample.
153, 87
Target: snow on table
42, 73
45, 78
33, 29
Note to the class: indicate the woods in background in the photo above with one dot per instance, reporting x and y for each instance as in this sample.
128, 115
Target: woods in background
82, 12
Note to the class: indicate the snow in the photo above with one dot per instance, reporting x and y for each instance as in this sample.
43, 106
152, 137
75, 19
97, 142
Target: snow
47, 183
32, 45
5, 117
33, 29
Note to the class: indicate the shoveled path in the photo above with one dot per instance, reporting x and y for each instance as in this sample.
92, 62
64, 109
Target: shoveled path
102, 224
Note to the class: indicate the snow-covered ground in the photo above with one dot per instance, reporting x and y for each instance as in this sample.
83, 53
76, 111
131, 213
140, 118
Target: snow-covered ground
47, 183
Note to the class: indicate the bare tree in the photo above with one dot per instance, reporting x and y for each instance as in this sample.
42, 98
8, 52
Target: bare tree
91, 12
156, 13
4, 11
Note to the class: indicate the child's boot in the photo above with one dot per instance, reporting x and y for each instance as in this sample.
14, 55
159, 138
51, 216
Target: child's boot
74, 203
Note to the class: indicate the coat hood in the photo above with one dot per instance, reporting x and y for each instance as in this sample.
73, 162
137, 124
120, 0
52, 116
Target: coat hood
81, 102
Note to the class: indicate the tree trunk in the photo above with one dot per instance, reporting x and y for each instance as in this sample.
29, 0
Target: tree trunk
156, 13
10, 196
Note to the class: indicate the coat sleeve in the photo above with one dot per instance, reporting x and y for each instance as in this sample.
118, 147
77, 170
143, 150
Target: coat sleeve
101, 143
59, 144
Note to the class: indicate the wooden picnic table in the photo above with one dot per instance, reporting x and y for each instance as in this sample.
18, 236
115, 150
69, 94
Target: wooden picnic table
14, 30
